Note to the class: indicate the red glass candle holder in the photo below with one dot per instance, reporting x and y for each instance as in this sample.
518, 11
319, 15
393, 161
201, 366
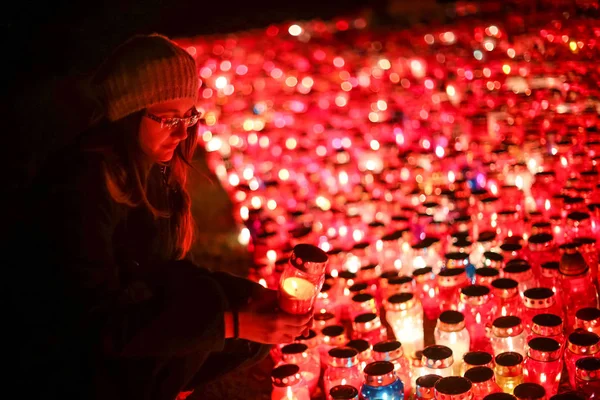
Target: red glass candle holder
365, 351
453, 388
530, 391
342, 368
392, 351
493, 259
425, 386
506, 293
310, 366
588, 319
486, 275
548, 326
473, 359
587, 377
543, 364
288, 383
539, 301
580, 344
449, 282
426, 290
478, 309
368, 327
483, 380
520, 271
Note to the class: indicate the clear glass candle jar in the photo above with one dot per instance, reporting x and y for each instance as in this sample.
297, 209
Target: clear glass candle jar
288, 383
548, 326
392, 351
425, 289
486, 275
587, 376
530, 391
301, 279
331, 336
425, 386
520, 271
362, 303
506, 293
365, 352
580, 344
453, 388
543, 364
509, 371
310, 366
539, 301
507, 334
342, 368
449, 282
450, 331
483, 381
381, 382
476, 359
478, 311
343, 392
438, 360
368, 326
405, 315
588, 319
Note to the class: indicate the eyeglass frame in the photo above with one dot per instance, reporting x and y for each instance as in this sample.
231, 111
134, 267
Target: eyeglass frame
173, 122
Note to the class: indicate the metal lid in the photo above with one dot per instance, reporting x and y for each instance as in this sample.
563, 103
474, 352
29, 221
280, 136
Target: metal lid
400, 302
486, 275
505, 288
587, 318
342, 357
309, 258
475, 295
530, 391
588, 369
450, 277
423, 274
286, 375
380, 373
550, 269
518, 269
437, 356
492, 259
425, 386
456, 259
507, 326
538, 298
324, 319
509, 364
583, 342
334, 335
479, 375
366, 322
544, 349
547, 325
369, 272
453, 388
540, 241
359, 287
344, 392
451, 321
388, 350
478, 358
401, 284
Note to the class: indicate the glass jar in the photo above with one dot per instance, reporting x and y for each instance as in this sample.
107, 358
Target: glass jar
324, 319
520, 271
587, 376
331, 336
450, 331
453, 388
478, 309
343, 392
541, 250
425, 387
483, 381
342, 368
511, 251
405, 316
588, 319
530, 391
506, 293
383, 281
368, 326
548, 277
365, 352
310, 367
509, 371
400, 284
425, 289
438, 360
486, 275
416, 367
543, 364
326, 300
392, 351
539, 301
580, 344
508, 335
449, 282
288, 383
381, 382
549, 326
301, 280
362, 303
589, 250
493, 259
476, 359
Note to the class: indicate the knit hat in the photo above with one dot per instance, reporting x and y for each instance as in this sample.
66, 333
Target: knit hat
143, 71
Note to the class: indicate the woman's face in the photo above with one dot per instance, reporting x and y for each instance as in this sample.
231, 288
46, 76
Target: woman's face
159, 140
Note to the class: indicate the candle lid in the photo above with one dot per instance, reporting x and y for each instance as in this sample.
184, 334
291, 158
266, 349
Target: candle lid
475, 295
347, 275
400, 302
363, 348
366, 322
286, 375
583, 342
356, 288
485, 275
530, 391
544, 349
388, 350
540, 241
309, 258
538, 298
550, 269
507, 326
547, 325
588, 369
451, 321
500, 396
450, 277
518, 269
486, 236
380, 373
493, 259
386, 275
453, 388
437, 356
478, 375
334, 335
456, 259
578, 216
401, 284
344, 392
369, 272
510, 247
365, 300
426, 386
505, 288
509, 364
587, 318
478, 358
423, 274
342, 357
572, 262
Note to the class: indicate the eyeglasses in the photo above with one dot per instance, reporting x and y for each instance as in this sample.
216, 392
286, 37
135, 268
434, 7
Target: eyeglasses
172, 123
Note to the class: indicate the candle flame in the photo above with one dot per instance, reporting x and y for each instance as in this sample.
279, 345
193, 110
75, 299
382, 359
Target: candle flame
547, 204
343, 381
289, 393
262, 282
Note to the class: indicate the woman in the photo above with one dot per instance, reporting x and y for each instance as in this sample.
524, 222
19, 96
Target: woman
109, 307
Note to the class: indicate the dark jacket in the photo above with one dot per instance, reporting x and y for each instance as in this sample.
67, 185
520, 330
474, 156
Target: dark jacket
102, 310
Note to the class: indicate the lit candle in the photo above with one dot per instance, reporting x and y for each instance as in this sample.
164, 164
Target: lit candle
296, 296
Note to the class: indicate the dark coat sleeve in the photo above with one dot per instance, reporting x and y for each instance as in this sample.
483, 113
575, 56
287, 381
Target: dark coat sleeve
167, 314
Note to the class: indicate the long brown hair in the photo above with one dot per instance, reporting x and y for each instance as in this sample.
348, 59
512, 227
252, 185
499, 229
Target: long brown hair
126, 172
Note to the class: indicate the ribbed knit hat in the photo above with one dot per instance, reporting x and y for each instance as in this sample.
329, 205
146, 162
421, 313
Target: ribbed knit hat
143, 71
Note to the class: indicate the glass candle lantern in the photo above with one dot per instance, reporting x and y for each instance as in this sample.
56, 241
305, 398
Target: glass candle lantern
549, 326
548, 277
580, 344
486, 275
392, 351
449, 283
450, 331
520, 271
312, 341
453, 388
541, 249
405, 315
369, 274
368, 326
539, 301
530, 391
511, 251
365, 352
326, 300
500, 396
343, 392
478, 311
425, 387
342, 368
588, 319
425, 289
288, 383
331, 336
543, 364
362, 303
507, 334
324, 319
509, 371
506, 293
483, 381
302, 278
438, 360
493, 259
589, 250
476, 359
383, 281
310, 367
381, 382
400, 284
587, 376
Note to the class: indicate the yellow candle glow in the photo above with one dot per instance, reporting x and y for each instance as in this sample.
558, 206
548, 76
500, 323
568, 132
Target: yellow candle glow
296, 295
